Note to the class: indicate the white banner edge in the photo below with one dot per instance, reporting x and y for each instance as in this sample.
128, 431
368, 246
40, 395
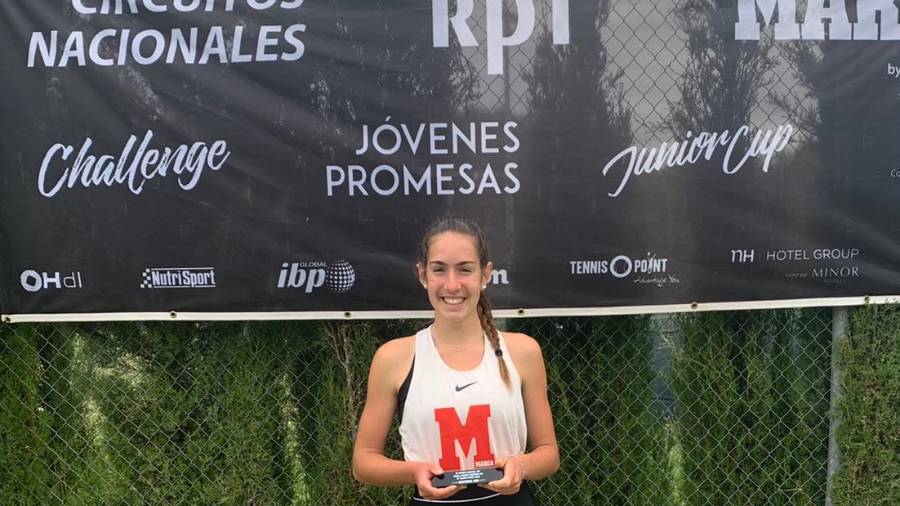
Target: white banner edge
426, 314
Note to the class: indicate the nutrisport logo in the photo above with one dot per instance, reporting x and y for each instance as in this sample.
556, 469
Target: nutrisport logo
178, 277
336, 277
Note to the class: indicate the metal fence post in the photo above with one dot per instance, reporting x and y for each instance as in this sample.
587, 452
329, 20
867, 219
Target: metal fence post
839, 327
665, 340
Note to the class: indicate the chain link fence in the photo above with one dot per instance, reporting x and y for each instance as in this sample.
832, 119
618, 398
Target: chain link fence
645, 70
717, 408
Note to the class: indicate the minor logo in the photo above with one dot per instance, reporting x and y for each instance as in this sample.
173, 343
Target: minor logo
178, 277
34, 281
836, 274
336, 277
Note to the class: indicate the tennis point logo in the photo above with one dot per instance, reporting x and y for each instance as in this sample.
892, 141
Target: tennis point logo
494, 26
337, 276
179, 277
620, 266
33, 281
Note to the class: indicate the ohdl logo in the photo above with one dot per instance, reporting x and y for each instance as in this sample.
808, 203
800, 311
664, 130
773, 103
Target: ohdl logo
33, 281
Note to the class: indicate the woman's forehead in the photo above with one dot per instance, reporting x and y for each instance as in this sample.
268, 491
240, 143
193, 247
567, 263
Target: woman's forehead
453, 246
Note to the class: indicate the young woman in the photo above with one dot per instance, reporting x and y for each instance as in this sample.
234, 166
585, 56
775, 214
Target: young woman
468, 397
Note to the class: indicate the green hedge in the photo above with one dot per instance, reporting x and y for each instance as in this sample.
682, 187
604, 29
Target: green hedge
265, 413
752, 413
24, 423
613, 442
869, 432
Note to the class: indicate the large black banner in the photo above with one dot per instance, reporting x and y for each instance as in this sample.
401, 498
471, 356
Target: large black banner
236, 156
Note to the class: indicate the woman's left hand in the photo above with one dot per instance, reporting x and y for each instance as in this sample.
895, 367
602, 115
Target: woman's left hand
513, 474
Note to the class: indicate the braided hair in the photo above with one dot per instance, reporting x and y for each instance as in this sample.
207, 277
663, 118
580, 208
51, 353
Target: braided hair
467, 227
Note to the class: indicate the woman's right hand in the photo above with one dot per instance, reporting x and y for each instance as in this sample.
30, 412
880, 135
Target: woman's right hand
423, 473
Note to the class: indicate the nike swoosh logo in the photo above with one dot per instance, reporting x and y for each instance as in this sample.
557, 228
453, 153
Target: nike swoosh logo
461, 388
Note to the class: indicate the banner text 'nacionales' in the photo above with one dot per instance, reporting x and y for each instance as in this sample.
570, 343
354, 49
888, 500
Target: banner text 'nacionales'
190, 45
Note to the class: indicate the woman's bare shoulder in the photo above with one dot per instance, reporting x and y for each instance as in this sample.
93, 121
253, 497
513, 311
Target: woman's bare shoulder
521, 343
525, 350
526, 355
393, 359
396, 345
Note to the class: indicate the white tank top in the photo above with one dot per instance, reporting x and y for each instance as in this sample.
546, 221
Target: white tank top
461, 419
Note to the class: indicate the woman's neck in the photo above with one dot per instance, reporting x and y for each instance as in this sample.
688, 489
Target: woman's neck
462, 333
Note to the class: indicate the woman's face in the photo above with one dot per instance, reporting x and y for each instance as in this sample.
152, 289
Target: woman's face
453, 276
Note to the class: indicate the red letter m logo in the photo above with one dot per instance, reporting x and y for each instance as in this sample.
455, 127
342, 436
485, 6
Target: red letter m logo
452, 430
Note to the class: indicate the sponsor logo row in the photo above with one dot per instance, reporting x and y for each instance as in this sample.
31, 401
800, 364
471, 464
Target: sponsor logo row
828, 264
339, 276
335, 277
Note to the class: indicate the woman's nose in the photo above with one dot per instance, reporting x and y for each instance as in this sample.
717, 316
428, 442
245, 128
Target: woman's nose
452, 282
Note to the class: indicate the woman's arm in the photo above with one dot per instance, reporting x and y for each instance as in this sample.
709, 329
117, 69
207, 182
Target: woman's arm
543, 458
370, 465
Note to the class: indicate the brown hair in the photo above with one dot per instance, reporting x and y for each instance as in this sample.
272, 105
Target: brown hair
467, 227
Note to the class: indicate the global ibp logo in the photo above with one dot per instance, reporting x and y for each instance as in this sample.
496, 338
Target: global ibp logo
336, 277
33, 281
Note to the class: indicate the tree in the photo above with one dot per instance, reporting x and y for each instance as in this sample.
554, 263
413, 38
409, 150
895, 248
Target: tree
577, 111
720, 87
